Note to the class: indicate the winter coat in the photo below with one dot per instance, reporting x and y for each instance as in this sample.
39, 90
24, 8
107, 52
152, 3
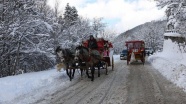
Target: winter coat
92, 44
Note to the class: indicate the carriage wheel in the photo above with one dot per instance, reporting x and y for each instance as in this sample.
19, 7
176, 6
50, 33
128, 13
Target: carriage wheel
127, 62
112, 63
143, 58
106, 68
127, 59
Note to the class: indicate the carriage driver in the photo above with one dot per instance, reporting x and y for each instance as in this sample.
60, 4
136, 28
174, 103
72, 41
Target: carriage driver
92, 45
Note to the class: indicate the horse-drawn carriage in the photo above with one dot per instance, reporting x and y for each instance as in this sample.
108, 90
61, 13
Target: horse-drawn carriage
99, 58
84, 59
135, 51
105, 48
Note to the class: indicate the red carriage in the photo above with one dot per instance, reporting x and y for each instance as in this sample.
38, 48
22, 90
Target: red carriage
136, 50
105, 50
83, 59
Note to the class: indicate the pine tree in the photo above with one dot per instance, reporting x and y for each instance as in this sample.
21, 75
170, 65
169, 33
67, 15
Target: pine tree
70, 15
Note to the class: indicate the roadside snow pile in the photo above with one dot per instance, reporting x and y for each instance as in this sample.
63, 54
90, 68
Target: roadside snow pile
171, 63
23, 84
174, 72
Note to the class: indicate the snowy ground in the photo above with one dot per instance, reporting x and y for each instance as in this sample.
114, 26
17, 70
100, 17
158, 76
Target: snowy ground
20, 85
173, 68
12, 87
171, 63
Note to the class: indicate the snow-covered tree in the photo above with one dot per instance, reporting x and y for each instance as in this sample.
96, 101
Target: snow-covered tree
75, 34
21, 25
108, 34
30, 31
44, 11
176, 14
70, 15
98, 26
15, 15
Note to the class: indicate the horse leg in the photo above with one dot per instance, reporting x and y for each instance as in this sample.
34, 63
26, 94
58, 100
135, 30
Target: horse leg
70, 75
73, 73
98, 71
99, 65
106, 65
87, 73
81, 73
92, 72
67, 71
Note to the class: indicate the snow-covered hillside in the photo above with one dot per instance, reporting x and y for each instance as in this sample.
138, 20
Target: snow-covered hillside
148, 32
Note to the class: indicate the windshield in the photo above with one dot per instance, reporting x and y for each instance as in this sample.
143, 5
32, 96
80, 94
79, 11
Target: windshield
137, 45
130, 45
134, 45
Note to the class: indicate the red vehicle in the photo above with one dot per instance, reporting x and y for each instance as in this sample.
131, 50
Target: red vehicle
136, 50
105, 49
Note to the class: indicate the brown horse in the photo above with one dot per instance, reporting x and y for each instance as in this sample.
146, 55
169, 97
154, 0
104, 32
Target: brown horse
91, 60
67, 58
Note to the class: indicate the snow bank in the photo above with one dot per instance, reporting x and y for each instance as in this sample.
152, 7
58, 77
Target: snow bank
174, 72
14, 86
171, 63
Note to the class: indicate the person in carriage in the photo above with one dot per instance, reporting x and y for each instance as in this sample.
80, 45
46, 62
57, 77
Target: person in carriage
92, 42
92, 45
106, 48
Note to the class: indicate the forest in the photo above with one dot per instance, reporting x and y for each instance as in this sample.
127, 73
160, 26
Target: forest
30, 30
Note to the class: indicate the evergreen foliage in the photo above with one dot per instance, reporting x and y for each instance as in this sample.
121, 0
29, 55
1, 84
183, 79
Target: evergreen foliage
70, 15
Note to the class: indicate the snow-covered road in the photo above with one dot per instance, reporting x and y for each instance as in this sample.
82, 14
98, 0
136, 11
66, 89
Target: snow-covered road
127, 84
147, 86
111, 88
133, 84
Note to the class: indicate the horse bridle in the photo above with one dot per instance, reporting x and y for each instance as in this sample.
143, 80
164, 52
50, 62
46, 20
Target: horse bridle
80, 52
61, 55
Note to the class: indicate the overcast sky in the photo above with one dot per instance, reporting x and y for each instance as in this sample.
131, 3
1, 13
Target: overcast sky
119, 15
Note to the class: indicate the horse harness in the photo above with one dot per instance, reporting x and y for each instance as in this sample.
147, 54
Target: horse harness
83, 57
